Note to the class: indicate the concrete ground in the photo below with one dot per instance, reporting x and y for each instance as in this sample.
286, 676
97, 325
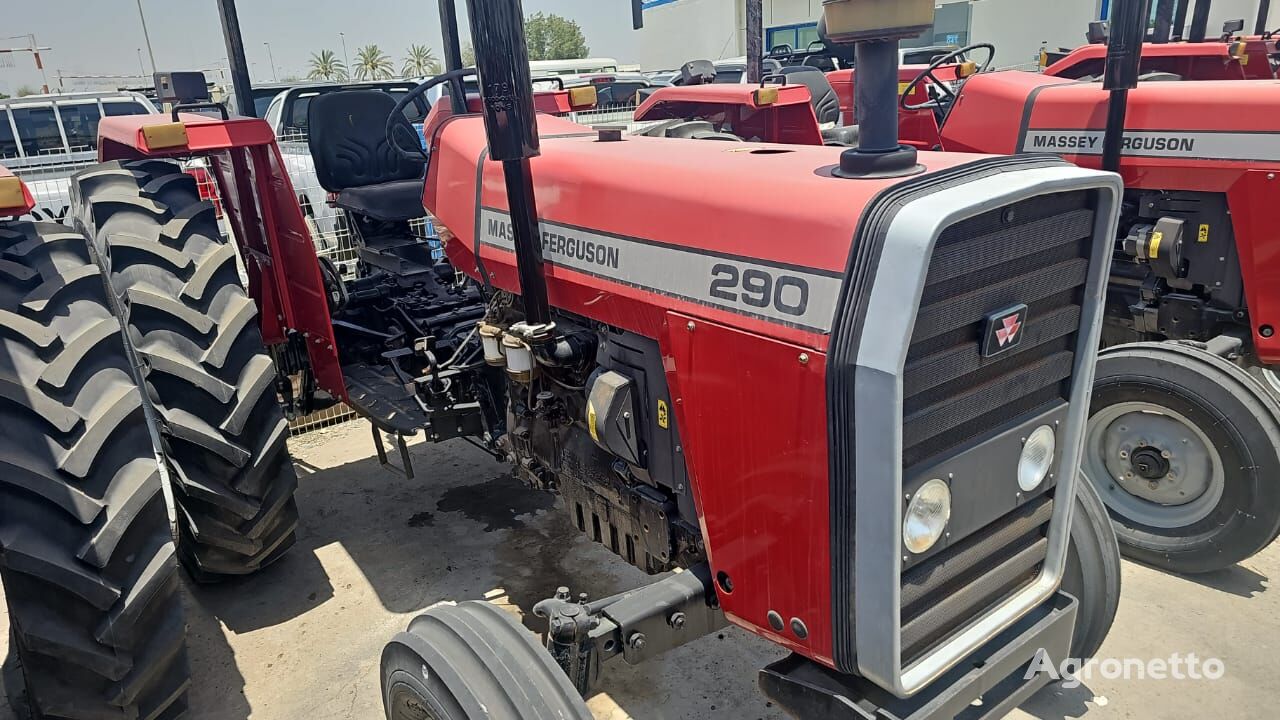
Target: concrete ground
303, 640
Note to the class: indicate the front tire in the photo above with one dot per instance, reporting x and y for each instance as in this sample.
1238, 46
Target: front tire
472, 662
1092, 575
86, 553
208, 376
1184, 449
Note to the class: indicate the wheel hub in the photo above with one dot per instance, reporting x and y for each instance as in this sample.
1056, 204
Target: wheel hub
1149, 464
1152, 464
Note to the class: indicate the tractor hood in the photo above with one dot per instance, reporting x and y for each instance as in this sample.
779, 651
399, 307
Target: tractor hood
635, 227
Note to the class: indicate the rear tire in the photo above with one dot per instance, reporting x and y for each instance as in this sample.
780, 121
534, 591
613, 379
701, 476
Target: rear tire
1093, 572
1184, 449
86, 554
471, 662
207, 373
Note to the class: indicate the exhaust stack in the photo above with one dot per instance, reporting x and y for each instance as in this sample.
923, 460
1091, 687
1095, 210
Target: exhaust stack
506, 91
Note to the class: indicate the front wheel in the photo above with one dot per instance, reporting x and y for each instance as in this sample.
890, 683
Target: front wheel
1092, 575
471, 661
1184, 449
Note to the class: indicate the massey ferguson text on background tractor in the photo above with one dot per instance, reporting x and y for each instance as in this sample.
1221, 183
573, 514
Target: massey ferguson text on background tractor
861, 443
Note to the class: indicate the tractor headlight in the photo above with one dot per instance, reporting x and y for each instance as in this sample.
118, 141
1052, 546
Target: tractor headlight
1037, 456
927, 516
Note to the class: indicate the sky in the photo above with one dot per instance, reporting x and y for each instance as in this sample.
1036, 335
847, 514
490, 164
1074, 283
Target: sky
103, 37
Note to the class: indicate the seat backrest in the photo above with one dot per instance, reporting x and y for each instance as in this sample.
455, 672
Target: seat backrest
348, 138
826, 105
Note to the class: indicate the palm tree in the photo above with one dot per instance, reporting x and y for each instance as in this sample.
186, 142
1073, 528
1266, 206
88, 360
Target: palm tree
325, 65
420, 61
372, 64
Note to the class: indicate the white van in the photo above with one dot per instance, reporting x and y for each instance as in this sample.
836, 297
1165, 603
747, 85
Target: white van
580, 66
45, 139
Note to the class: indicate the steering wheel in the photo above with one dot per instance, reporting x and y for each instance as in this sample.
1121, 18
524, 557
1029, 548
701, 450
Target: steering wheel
399, 126
948, 95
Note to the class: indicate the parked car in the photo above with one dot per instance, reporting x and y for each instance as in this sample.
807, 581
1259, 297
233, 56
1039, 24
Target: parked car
45, 139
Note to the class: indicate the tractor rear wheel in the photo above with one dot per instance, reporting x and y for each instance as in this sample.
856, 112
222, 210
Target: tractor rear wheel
471, 661
1184, 449
1093, 572
208, 376
86, 553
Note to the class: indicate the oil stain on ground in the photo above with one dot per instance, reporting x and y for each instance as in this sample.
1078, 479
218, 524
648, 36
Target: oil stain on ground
422, 519
498, 503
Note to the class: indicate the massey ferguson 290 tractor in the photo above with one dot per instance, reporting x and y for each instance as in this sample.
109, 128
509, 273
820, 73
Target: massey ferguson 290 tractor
841, 392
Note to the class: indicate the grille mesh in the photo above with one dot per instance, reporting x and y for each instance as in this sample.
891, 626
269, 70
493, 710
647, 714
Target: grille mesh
1035, 252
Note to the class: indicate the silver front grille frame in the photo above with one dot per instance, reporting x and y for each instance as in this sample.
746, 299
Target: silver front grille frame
890, 320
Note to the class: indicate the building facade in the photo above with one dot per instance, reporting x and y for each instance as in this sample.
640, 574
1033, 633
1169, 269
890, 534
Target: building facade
677, 31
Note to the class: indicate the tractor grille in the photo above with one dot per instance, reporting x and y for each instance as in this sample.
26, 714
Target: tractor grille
1036, 253
945, 592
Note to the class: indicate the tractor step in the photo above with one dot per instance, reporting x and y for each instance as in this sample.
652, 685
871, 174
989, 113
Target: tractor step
383, 400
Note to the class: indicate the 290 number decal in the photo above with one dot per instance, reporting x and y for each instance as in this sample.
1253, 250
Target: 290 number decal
787, 294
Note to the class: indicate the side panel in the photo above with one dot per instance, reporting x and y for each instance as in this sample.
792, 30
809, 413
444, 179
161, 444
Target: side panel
1258, 243
759, 477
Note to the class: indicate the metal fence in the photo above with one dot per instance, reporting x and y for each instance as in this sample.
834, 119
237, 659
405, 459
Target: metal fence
620, 116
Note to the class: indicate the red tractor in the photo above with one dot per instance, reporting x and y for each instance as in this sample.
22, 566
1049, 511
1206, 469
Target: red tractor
841, 391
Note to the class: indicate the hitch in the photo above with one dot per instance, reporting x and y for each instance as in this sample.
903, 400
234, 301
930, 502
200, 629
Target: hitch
637, 625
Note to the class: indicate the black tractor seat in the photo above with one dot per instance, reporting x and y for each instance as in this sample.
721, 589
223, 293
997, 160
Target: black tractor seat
394, 201
354, 160
826, 104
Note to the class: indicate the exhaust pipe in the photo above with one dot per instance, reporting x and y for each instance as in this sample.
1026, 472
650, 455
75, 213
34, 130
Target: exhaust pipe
1264, 11
1124, 56
506, 91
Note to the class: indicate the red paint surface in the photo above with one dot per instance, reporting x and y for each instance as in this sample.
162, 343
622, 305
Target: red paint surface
754, 415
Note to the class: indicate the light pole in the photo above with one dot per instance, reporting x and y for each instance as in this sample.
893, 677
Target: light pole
274, 77
142, 69
146, 36
346, 61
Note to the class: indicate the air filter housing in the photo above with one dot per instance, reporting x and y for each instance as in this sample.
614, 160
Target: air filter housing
849, 21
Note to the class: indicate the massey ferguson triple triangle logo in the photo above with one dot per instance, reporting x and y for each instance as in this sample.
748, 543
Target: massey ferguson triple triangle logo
1009, 330
1004, 330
